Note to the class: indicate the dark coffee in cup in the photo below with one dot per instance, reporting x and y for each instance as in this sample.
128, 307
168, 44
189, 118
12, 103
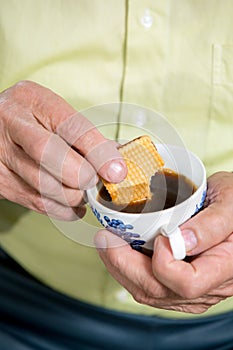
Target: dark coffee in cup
168, 188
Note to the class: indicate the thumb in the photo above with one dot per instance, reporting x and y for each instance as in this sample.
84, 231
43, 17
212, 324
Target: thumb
213, 224
105, 239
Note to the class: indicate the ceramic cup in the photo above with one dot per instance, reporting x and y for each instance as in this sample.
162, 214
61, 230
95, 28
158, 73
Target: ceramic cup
140, 230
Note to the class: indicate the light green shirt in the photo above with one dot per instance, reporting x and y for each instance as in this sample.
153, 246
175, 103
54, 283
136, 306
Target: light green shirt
174, 57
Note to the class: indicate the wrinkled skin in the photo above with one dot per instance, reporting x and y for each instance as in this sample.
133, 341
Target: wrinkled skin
40, 170
195, 284
38, 167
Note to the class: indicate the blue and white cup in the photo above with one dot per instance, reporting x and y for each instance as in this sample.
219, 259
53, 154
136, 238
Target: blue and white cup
140, 230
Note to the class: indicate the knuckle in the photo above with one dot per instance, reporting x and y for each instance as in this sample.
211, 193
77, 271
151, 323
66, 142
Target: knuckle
16, 94
22, 85
75, 198
52, 188
139, 297
3, 103
38, 204
142, 298
48, 185
53, 209
38, 149
20, 88
86, 176
68, 128
64, 213
34, 179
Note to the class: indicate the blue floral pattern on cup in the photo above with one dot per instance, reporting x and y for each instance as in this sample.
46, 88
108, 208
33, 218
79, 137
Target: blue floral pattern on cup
200, 205
121, 229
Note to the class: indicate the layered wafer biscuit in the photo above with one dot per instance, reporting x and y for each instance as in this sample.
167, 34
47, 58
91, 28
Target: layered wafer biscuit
142, 160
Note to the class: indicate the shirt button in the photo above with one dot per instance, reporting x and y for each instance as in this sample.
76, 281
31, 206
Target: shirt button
122, 295
147, 19
140, 118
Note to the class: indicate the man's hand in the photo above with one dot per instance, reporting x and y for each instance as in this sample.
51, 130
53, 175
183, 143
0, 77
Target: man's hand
203, 279
50, 153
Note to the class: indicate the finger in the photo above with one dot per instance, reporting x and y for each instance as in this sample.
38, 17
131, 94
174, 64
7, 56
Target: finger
192, 280
56, 115
48, 107
160, 296
213, 224
131, 268
58, 211
23, 194
100, 152
52, 153
39, 179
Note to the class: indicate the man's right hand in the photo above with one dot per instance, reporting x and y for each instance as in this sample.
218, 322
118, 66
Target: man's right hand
50, 153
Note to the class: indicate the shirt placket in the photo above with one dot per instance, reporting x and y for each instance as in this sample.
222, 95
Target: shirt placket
146, 52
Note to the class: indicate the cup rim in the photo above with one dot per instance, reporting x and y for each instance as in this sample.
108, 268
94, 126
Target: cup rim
201, 187
126, 214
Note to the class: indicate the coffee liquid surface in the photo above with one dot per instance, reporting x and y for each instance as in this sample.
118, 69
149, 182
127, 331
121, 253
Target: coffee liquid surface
167, 188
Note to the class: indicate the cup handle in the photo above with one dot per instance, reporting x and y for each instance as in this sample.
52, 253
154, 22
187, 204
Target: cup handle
176, 241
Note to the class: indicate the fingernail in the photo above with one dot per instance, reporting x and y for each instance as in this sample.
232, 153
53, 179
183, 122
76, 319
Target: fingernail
116, 171
190, 239
101, 242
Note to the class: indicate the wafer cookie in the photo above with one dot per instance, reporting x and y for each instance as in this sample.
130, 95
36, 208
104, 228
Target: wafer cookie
142, 160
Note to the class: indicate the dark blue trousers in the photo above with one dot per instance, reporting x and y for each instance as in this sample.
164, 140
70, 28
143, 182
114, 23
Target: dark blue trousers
34, 317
